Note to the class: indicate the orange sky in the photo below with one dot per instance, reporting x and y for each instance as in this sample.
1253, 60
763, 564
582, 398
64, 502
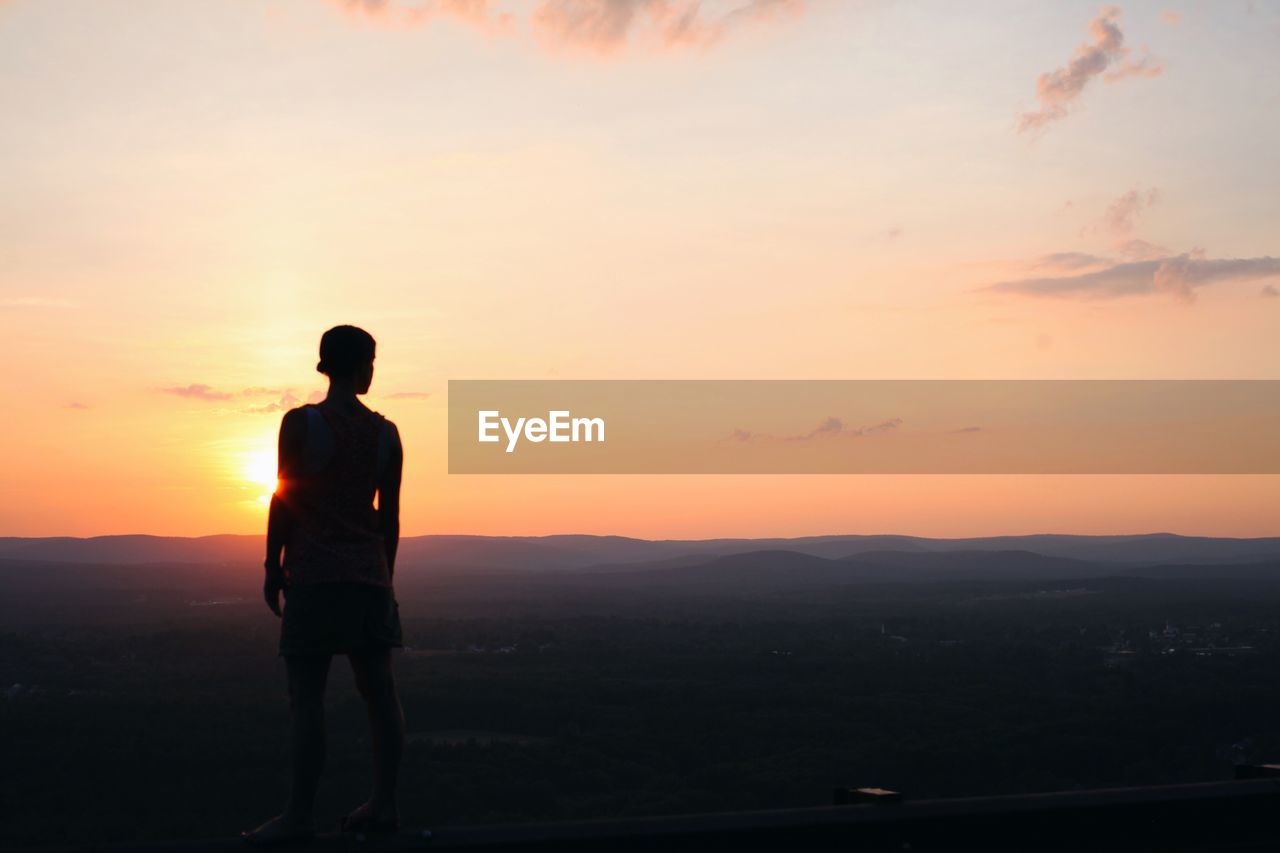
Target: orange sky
194, 192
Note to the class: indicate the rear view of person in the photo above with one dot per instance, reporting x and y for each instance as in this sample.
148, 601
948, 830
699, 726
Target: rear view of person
332, 555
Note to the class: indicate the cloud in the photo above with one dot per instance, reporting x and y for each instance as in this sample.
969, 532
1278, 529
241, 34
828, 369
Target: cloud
1145, 65
196, 392
409, 395
883, 426
1069, 261
1172, 17
1142, 250
76, 404
1123, 213
286, 397
287, 401
601, 27
831, 427
605, 26
1269, 291
1179, 276
1105, 56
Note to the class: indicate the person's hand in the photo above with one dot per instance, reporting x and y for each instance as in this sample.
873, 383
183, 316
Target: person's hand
272, 586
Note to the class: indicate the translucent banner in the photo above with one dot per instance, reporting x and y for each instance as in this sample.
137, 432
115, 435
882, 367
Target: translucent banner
864, 427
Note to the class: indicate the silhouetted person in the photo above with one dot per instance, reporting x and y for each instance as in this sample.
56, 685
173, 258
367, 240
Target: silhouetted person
332, 554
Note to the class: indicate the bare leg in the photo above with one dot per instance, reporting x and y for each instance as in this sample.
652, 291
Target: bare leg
307, 677
377, 686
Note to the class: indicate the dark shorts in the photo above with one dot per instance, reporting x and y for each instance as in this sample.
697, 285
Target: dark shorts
338, 618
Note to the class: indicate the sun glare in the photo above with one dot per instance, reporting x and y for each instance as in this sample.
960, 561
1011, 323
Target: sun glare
259, 470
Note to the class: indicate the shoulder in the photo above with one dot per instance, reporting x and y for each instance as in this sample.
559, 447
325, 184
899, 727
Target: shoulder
293, 425
389, 432
295, 418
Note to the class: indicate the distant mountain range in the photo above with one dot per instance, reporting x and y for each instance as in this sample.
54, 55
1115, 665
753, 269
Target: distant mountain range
878, 555
64, 579
772, 569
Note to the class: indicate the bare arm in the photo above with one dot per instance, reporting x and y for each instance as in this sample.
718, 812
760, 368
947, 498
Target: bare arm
279, 520
389, 498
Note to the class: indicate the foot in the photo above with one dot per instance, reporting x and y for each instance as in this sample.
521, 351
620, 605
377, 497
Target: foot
281, 829
371, 817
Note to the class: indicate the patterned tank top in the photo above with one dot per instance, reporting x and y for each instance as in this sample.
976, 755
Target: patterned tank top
335, 535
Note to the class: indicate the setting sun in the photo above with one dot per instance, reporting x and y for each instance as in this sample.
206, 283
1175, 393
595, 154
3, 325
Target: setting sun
259, 470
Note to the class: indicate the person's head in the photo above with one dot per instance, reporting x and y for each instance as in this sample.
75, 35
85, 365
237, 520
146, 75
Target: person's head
346, 355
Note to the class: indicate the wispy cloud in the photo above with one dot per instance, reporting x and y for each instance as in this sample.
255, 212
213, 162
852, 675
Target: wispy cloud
286, 398
196, 391
601, 27
1178, 275
287, 401
1142, 250
1069, 261
607, 26
1269, 291
830, 428
1123, 213
77, 405
409, 395
1172, 17
1106, 56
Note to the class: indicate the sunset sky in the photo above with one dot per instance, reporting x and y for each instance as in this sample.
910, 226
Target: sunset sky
191, 191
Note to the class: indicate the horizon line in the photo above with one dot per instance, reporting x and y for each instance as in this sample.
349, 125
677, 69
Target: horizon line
1148, 534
